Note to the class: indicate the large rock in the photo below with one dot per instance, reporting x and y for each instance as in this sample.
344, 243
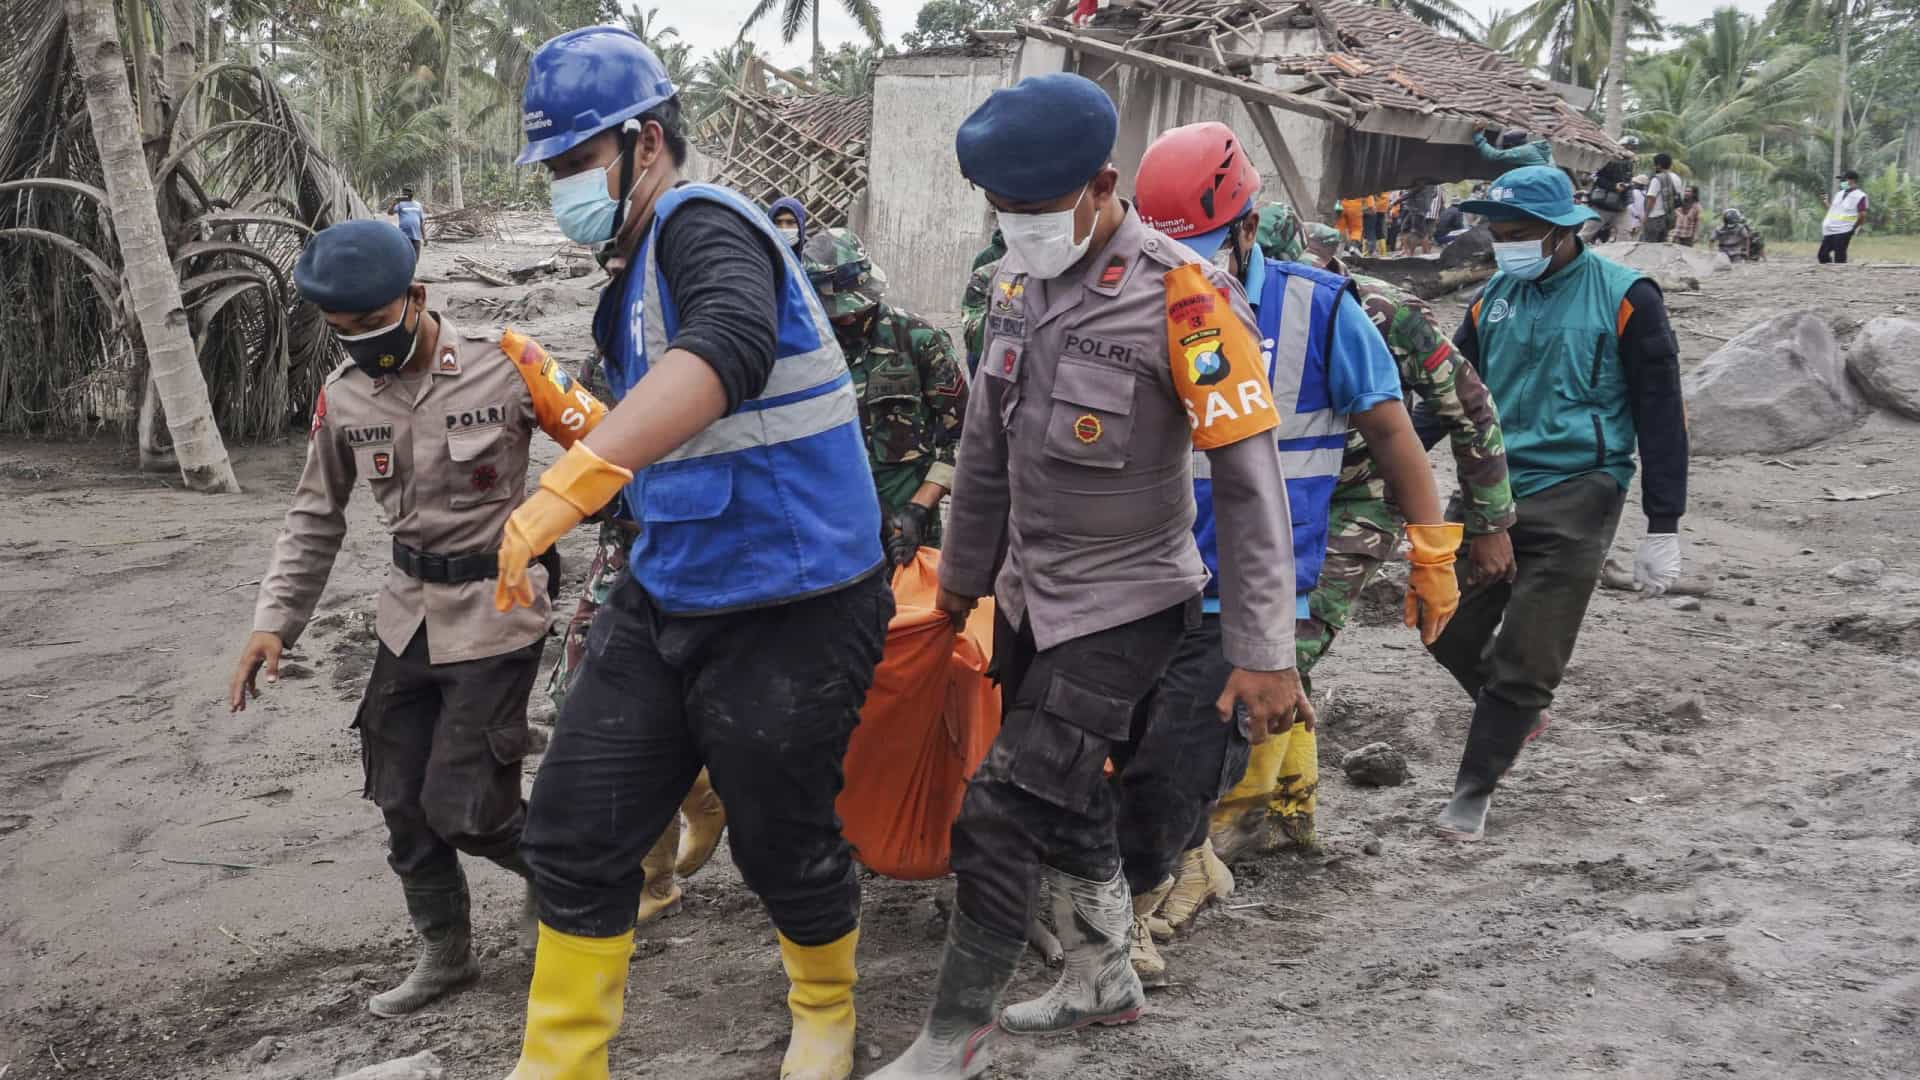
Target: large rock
1471, 248
1779, 386
1666, 261
1885, 361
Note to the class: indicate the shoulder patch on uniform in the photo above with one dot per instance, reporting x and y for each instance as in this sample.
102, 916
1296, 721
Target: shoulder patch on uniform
1116, 269
319, 413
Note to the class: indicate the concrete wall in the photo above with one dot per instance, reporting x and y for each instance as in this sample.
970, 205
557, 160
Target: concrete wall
923, 223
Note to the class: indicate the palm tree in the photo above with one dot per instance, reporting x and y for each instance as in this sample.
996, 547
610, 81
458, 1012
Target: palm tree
153, 288
795, 13
1446, 15
1503, 32
848, 71
646, 26
1837, 16
1616, 65
1578, 35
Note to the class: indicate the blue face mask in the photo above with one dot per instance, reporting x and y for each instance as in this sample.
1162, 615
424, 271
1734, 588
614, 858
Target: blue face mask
1523, 259
583, 208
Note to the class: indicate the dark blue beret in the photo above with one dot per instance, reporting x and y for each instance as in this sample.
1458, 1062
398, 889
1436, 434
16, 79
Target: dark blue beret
1038, 139
355, 266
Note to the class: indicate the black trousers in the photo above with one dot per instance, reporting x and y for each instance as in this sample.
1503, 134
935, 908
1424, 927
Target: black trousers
1833, 249
1041, 796
1513, 639
764, 699
1183, 758
441, 745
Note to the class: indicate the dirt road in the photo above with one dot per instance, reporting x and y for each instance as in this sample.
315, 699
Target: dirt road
1707, 866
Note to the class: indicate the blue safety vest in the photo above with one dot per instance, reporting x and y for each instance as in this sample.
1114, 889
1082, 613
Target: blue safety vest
1296, 315
772, 503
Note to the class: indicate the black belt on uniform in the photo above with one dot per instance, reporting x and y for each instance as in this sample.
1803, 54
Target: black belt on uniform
474, 566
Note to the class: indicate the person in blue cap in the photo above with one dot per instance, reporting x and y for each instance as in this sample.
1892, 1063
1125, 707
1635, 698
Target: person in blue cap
437, 424
746, 635
1583, 368
1112, 354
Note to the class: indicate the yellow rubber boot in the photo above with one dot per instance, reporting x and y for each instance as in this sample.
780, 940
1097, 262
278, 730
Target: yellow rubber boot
821, 1000
1240, 819
706, 819
1295, 795
660, 896
573, 1009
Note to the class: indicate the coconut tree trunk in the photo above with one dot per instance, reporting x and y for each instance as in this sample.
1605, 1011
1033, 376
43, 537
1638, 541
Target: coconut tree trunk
816, 38
151, 284
1843, 28
450, 93
1617, 68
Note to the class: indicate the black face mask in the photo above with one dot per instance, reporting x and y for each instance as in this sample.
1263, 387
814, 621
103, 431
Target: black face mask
382, 353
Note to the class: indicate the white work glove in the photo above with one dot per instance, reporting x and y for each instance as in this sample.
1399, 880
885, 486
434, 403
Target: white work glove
1657, 565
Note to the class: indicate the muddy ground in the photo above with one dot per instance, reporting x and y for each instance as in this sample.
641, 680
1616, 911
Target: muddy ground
1707, 867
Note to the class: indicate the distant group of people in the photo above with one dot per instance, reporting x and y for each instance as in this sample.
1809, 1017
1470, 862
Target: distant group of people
1410, 222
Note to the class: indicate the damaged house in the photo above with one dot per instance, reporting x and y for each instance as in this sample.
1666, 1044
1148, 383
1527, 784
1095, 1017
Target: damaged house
1336, 98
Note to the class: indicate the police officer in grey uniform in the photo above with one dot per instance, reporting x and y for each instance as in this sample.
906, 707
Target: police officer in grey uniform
1111, 354
437, 425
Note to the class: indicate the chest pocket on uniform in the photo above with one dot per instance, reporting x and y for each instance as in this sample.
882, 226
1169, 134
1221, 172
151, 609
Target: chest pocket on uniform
896, 421
1592, 368
1091, 422
477, 474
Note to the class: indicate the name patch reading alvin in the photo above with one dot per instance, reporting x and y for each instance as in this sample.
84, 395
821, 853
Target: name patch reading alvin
368, 436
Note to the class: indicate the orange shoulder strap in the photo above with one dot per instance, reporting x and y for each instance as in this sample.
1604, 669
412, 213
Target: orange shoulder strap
1216, 363
564, 408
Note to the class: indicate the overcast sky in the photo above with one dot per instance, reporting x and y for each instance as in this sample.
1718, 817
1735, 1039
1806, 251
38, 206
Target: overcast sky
710, 24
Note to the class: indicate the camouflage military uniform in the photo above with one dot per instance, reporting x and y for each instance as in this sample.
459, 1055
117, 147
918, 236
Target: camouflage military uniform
973, 303
911, 390
1363, 524
610, 554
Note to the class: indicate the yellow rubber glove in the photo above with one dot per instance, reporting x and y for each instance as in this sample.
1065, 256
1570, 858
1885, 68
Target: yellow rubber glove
1433, 594
580, 483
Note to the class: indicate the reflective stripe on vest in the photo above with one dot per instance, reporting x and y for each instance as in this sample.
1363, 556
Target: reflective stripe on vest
772, 503
1295, 314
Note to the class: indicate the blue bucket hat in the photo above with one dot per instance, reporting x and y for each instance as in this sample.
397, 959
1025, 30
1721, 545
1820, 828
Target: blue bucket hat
1534, 191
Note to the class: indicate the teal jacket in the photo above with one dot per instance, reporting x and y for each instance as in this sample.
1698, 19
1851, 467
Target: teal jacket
1549, 352
1535, 152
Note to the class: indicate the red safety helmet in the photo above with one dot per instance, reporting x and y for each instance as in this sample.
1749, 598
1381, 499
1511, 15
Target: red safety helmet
1194, 181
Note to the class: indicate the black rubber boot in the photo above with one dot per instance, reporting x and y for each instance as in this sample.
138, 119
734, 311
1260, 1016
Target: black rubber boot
956, 1042
1494, 740
528, 933
439, 909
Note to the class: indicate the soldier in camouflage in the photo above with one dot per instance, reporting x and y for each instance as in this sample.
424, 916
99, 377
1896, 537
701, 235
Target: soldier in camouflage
1364, 524
973, 303
911, 390
1279, 234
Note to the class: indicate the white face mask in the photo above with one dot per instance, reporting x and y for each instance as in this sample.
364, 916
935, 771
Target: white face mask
789, 233
1045, 241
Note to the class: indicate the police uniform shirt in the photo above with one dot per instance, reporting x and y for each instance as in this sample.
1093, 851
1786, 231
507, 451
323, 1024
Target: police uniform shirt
1090, 399
445, 455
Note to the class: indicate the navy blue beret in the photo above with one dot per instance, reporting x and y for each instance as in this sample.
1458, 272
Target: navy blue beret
1039, 139
355, 266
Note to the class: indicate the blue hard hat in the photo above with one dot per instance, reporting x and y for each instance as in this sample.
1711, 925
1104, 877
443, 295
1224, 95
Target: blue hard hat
354, 266
1038, 139
582, 83
1535, 191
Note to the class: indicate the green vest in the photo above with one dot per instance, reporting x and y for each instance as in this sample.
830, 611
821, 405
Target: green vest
1550, 356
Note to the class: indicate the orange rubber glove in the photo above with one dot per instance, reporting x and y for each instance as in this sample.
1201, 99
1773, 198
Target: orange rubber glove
580, 483
1433, 594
